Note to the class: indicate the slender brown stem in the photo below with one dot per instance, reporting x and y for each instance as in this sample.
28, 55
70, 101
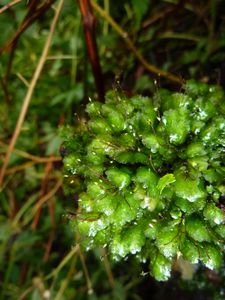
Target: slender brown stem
49, 246
67, 280
86, 272
108, 268
157, 16
5, 90
29, 164
8, 5
12, 204
30, 90
48, 196
89, 23
23, 272
43, 191
37, 159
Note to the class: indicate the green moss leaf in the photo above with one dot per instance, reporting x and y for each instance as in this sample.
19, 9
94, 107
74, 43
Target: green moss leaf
187, 188
197, 229
190, 251
124, 213
147, 178
177, 125
211, 256
165, 181
99, 126
195, 149
151, 174
220, 230
160, 267
167, 241
213, 214
118, 178
93, 109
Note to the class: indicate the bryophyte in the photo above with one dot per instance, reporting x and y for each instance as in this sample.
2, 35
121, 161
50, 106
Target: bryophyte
151, 176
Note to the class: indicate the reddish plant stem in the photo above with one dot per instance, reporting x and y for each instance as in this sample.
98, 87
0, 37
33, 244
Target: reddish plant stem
44, 186
23, 272
89, 24
48, 246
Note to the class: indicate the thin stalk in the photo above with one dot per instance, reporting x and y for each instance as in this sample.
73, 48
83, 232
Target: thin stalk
7, 273
89, 23
63, 262
8, 5
30, 91
66, 281
32, 157
151, 68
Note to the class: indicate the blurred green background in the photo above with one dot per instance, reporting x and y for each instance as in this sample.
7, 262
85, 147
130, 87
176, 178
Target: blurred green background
38, 254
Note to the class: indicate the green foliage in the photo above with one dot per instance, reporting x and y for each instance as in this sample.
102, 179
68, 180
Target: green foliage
153, 176
186, 39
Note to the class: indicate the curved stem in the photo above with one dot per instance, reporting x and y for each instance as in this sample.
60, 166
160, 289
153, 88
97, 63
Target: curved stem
151, 68
30, 90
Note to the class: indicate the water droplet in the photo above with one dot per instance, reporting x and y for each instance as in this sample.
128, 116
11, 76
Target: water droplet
90, 291
164, 120
173, 137
197, 130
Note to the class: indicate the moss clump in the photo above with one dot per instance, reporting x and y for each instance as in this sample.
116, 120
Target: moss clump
152, 173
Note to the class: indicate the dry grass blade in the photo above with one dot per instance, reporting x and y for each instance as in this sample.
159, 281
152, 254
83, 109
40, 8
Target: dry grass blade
33, 158
86, 272
30, 90
43, 191
48, 196
108, 268
8, 5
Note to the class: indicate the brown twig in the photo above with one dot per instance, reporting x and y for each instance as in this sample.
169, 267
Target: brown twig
23, 272
89, 23
8, 5
48, 196
67, 280
49, 246
151, 68
12, 204
5, 90
43, 191
86, 272
29, 164
37, 159
157, 16
108, 268
51, 209
30, 90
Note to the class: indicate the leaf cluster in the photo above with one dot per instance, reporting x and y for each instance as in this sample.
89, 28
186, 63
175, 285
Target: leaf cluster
152, 172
